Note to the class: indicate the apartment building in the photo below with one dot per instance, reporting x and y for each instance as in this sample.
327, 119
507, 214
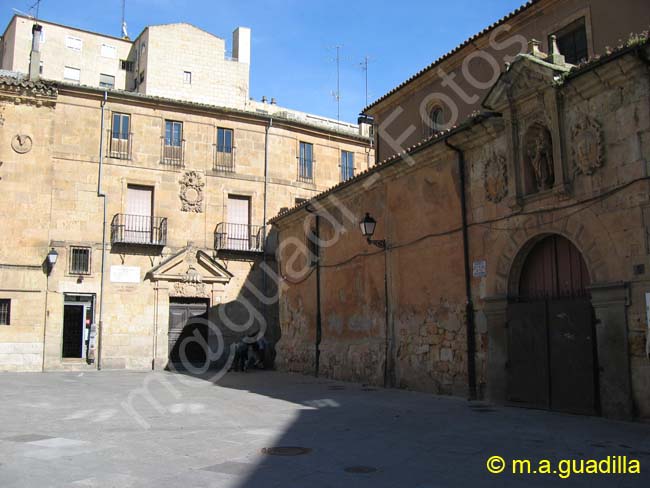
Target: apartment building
137, 217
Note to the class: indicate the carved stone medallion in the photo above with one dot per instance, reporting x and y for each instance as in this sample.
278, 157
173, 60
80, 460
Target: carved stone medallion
21, 143
538, 154
182, 289
191, 193
587, 147
495, 177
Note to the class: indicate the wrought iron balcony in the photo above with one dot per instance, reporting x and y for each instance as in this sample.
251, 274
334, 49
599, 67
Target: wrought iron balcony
239, 237
305, 170
119, 145
139, 229
224, 159
172, 155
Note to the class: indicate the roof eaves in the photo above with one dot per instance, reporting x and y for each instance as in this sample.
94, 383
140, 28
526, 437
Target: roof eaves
449, 54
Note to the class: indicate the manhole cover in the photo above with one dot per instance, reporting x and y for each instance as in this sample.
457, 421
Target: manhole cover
285, 451
360, 469
483, 409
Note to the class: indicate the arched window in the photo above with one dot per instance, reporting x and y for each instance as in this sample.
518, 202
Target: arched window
436, 122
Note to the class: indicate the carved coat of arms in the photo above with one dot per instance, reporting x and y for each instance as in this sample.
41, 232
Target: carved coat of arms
587, 146
191, 193
495, 177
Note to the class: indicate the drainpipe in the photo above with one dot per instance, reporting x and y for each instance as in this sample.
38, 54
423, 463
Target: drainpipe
319, 327
264, 236
469, 307
102, 195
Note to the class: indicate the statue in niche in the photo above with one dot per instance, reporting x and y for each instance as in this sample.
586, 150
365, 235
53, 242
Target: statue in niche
539, 158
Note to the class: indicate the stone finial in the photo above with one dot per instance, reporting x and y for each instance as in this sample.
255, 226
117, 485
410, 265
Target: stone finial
555, 56
534, 49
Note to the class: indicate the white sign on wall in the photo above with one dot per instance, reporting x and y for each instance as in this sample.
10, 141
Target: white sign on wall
125, 274
479, 268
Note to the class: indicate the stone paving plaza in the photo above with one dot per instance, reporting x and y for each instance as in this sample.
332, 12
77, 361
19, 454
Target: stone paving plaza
129, 429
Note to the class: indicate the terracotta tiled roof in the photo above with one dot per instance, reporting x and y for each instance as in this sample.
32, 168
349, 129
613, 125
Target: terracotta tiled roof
19, 82
420, 73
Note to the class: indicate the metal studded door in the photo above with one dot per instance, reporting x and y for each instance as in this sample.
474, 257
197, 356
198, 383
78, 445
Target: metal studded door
552, 359
572, 363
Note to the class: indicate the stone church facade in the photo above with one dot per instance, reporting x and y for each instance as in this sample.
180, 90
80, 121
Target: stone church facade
512, 253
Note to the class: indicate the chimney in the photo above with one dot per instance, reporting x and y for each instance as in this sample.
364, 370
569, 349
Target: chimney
273, 101
241, 45
35, 57
263, 98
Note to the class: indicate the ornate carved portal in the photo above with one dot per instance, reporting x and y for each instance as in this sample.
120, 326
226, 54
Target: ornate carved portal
495, 177
191, 193
538, 159
587, 146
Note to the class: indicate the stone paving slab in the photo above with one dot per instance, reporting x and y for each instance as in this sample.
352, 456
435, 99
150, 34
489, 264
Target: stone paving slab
139, 429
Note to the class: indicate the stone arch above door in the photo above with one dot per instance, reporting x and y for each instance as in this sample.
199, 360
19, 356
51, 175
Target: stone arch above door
583, 229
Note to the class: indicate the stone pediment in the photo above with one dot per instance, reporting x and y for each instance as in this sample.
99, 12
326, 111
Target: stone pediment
527, 75
190, 265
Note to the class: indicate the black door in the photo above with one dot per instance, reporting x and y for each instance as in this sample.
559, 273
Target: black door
551, 336
188, 332
551, 355
73, 322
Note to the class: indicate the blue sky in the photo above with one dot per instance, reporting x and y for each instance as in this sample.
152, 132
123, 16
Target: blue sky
293, 44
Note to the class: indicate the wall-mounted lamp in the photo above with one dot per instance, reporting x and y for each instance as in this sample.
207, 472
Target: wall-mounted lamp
52, 257
368, 225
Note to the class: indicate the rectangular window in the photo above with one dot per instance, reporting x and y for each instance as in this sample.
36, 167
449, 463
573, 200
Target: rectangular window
106, 81
73, 43
224, 160
138, 222
126, 65
120, 136
347, 165
172, 151
173, 133
5, 311
40, 68
72, 75
572, 41
80, 260
306, 162
224, 140
108, 51
187, 77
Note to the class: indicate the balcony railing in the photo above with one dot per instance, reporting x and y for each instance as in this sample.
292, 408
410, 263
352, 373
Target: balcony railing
239, 237
224, 160
305, 170
119, 147
172, 155
139, 229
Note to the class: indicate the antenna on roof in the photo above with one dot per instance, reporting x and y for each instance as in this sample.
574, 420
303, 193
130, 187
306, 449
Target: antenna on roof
337, 94
125, 33
22, 13
36, 6
364, 67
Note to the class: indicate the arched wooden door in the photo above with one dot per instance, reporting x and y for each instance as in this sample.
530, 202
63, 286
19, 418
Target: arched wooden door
551, 336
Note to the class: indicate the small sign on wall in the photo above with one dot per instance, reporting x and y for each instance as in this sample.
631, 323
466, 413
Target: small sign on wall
647, 333
479, 268
125, 274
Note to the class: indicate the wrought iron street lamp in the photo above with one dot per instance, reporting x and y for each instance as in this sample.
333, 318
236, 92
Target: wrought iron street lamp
368, 225
52, 257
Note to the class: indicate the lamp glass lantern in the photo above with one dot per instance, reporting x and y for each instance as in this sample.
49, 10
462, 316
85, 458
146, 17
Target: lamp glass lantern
368, 225
52, 257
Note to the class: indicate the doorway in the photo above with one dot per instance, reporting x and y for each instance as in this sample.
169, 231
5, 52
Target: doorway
552, 360
188, 331
77, 319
